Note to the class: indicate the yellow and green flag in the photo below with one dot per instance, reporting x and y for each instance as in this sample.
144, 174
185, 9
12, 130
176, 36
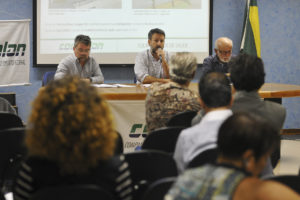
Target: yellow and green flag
251, 36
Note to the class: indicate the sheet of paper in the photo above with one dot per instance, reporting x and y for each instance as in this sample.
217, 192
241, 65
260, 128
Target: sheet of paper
123, 85
105, 85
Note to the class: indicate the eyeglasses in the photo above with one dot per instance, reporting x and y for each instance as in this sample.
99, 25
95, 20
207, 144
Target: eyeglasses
224, 52
83, 50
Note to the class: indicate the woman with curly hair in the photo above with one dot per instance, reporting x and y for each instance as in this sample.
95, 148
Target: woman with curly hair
71, 140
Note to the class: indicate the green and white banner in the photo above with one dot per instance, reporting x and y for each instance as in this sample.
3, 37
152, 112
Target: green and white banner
130, 122
14, 52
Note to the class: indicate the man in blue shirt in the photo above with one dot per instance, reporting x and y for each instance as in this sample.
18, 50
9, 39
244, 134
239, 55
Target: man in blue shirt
80, 63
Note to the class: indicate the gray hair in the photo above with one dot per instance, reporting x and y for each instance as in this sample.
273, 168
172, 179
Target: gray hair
86, 40
182, 67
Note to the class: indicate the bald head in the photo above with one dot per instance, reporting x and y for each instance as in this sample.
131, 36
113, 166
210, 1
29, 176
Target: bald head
223, 49
223, 42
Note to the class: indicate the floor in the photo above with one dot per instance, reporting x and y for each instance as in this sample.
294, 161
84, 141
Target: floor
290, 156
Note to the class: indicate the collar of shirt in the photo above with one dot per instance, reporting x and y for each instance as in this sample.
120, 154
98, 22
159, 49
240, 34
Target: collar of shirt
216, 115
242, 93
77, 60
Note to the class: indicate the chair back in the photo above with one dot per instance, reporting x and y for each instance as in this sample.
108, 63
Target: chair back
147, 166
134, 79
2, 196
158, 189
119, 149
163, 139
10, 120
207, 156
182, 119
11, 152
292, 181
47, 77
74, 192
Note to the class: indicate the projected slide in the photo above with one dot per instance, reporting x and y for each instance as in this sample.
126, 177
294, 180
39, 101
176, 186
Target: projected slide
167, 4
79, 4
119, 28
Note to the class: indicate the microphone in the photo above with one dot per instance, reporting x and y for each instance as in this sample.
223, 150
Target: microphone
160, 57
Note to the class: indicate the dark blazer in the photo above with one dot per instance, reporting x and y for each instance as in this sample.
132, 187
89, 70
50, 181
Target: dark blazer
251, 102
213, 64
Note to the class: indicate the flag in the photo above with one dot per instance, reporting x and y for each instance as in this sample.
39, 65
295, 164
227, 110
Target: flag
251, 36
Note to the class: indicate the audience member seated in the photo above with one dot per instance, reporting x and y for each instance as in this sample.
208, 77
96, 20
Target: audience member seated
247, 75
244, 144
215, 98
71, 140
164, 100
5, 106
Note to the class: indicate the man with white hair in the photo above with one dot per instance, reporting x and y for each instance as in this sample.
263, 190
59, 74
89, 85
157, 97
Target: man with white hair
219, 61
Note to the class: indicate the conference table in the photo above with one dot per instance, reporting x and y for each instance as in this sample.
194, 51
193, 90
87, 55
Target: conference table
127, 103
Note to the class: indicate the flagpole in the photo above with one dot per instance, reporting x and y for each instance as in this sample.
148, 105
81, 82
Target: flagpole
245, 25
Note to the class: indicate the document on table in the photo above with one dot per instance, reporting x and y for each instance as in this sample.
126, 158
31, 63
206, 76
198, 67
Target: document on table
112, 85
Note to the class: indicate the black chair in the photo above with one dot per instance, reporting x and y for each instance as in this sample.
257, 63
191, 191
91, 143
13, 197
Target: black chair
6, 106
119, 149
2, 196
11, 152
207, 156
47, 77
74, 192
9, 120
163, 139
292, 181
147, 166
159, 188
182, 119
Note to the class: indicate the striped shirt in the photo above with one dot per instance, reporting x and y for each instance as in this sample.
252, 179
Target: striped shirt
36, 173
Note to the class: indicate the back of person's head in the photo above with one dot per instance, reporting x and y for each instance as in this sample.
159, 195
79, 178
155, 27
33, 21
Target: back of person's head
244, 131
71, 125
182, 67
86, 40
215, 90
247, 72
157, 31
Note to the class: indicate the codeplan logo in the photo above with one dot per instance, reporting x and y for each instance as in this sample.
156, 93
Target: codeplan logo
137, 134
12, 49
138, 130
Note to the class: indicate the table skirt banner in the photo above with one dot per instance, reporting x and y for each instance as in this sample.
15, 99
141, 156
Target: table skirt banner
130, 122
14, 52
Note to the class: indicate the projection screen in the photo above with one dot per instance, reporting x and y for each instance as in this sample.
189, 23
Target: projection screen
118, 28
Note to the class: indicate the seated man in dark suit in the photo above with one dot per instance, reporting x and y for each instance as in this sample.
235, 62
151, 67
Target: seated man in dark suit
247, 75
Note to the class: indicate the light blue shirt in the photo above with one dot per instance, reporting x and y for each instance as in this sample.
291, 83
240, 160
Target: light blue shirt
71, 66
196, 139
147, 65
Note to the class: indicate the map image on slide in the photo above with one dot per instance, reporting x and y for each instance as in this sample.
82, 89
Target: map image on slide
166, 4
85, 4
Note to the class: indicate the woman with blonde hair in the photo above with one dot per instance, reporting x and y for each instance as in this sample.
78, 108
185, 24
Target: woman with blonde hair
71, 140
